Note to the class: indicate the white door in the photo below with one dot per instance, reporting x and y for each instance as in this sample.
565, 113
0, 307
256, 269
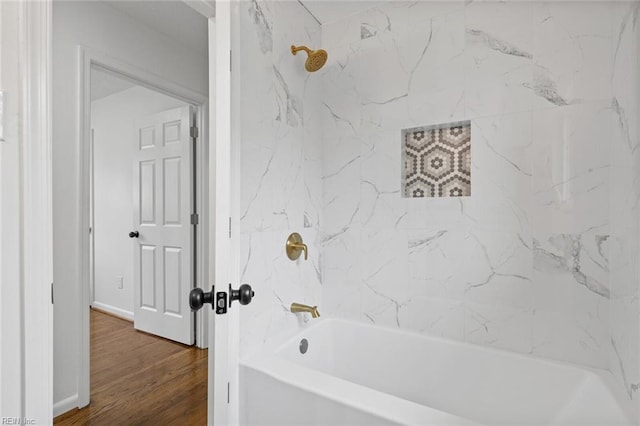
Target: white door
163, 203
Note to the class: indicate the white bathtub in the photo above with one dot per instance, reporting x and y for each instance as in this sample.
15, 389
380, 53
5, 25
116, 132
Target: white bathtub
359, 374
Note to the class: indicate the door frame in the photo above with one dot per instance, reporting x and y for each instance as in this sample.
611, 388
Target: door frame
88, 58
30, 309
34, 49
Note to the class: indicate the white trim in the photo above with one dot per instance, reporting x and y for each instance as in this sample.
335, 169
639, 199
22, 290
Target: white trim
86, 59
222, 365
65, 405
115, 311
37, 256
92, 240
235, 126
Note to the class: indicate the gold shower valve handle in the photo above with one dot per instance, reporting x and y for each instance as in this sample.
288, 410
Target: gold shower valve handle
295, 246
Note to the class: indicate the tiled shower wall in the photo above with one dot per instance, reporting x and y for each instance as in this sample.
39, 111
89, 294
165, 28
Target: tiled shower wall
280, 165
524, 263
625, 197
541, 259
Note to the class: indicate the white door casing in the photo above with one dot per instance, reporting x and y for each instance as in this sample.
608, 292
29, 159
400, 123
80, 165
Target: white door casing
163, 204
88, 58
35, 387
26, 326
223, 329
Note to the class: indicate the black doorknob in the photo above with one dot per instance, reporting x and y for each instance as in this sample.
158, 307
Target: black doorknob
197, 298
243, 295
134, 234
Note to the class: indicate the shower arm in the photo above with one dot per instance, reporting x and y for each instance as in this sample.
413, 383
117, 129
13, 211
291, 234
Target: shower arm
295, 49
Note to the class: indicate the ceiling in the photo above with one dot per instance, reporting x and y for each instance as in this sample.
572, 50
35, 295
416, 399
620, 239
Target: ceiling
173, 19
327, 11
104, 84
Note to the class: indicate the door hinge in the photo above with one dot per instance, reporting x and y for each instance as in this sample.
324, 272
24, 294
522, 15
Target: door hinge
52, 293
193, 132
194, 219
229, 227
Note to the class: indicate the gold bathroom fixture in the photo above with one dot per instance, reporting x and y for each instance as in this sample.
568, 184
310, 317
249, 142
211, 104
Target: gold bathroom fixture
295, 246
315, 60
298, 307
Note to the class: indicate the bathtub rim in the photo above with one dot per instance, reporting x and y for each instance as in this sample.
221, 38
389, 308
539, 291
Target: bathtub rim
271, 353
369, 400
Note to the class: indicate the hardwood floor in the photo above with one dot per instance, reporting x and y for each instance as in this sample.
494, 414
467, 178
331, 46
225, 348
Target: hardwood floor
140, 379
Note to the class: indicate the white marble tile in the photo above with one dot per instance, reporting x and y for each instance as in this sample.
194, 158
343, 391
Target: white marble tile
554, 158
623, 362
624, 248
571, 167
273, 184
498, 270
501, 174
281, 169
340, 33
498, 58
571, 298
572, 53
435, 107
503, 27
384, 288
341, 261
508, 95
260, 23
437, 264
498, 326
382, 204
341, 184
436, 317
567, 337
433, 54
342, 302
378, 59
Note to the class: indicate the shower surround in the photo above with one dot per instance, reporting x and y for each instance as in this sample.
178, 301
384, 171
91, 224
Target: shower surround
542, 259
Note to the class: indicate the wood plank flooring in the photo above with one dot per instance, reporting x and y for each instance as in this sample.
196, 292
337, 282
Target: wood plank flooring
140, 379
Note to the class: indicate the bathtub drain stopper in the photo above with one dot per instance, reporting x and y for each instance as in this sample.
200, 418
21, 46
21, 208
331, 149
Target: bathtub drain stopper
304, 345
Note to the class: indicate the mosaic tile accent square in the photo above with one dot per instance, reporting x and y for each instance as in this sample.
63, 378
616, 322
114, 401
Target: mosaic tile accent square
437, 160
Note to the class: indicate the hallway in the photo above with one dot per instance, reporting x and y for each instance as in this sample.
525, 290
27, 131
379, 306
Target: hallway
139, 379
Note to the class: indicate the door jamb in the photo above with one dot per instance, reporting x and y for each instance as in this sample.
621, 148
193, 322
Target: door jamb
86, 59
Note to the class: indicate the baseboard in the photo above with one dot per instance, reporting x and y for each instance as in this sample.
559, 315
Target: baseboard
116, 312
65, 405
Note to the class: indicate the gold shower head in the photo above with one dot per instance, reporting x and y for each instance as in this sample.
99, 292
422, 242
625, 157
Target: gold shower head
316, 58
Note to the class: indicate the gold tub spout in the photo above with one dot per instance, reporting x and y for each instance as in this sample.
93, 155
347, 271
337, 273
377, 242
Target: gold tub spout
298, 307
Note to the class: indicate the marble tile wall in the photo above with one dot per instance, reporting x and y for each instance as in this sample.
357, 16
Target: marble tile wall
524, 263
280, 166
541, 259
624, 197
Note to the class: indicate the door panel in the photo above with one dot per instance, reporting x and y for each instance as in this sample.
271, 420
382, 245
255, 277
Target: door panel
163, 201
171, 191
172, 266
148, 277
147, 193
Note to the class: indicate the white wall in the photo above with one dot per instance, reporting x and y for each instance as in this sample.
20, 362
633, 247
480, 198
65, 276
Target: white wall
99, 27
113, 121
